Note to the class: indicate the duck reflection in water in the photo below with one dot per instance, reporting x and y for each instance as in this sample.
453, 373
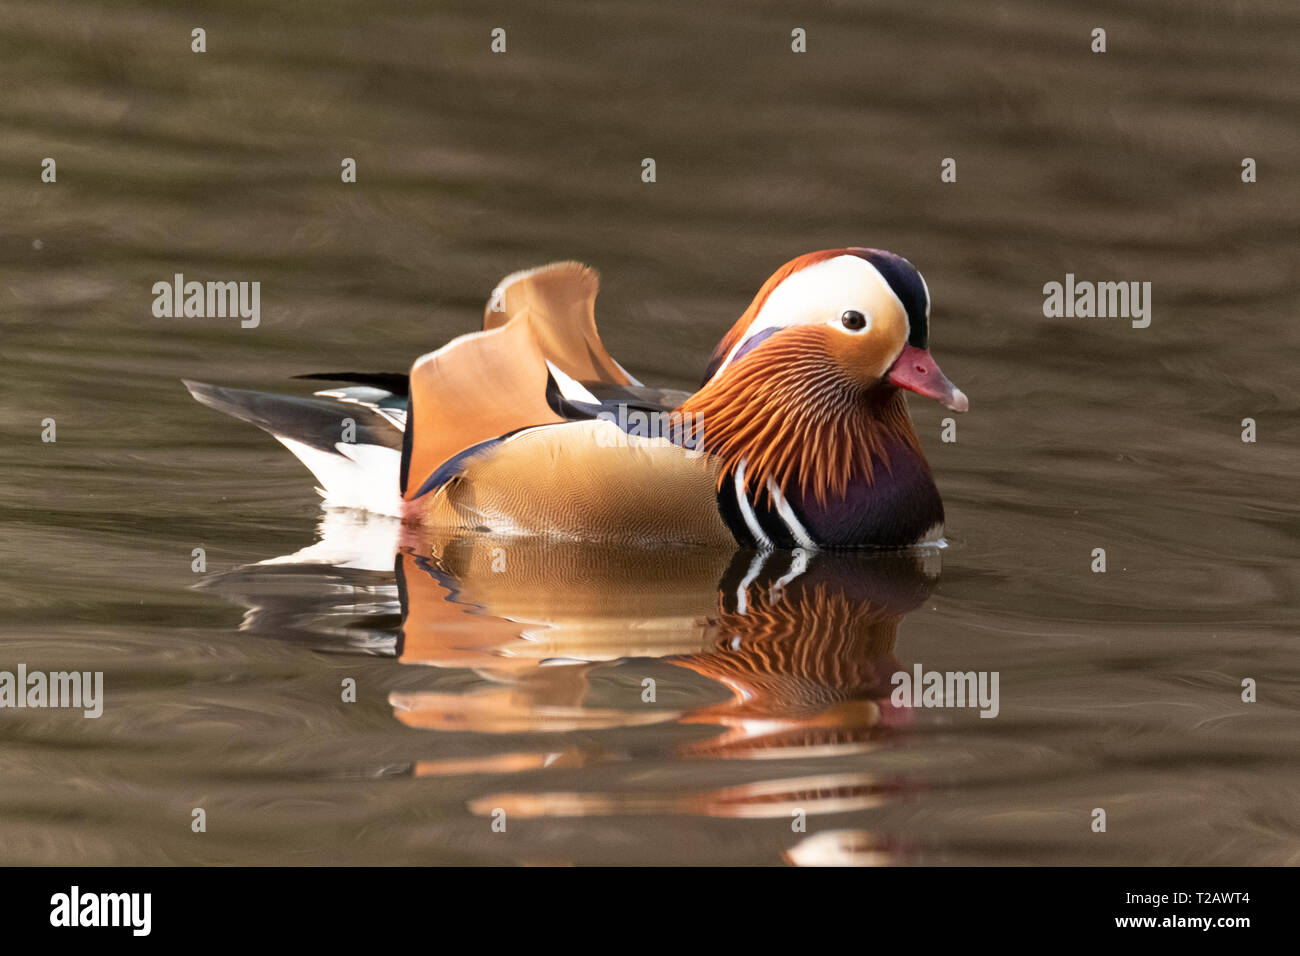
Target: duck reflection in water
744, 655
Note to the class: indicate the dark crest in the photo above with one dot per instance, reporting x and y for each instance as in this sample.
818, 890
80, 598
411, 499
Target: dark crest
908, 286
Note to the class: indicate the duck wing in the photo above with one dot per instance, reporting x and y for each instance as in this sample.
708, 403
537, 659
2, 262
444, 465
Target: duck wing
535, 363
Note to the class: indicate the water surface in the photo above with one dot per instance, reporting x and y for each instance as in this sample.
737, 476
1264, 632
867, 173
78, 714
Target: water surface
523, 690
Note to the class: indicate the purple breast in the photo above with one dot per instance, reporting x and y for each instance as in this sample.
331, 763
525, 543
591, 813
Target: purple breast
894, 510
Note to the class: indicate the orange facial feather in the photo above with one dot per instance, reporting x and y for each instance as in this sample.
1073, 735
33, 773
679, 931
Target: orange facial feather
793, 415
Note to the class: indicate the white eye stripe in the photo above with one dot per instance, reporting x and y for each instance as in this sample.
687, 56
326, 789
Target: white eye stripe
811, 297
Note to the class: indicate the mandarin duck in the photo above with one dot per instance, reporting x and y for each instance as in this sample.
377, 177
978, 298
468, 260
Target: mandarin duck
799, 436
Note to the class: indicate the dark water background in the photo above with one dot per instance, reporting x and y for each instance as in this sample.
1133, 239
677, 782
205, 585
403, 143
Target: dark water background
1118, 690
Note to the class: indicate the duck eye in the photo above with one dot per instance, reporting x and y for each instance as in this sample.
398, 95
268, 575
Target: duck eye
853, 320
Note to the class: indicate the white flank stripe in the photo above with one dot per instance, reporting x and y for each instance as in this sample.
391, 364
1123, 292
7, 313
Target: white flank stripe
747, 510
786, 513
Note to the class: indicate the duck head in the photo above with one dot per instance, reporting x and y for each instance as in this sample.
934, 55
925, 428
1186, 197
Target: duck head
804, 390
865, 312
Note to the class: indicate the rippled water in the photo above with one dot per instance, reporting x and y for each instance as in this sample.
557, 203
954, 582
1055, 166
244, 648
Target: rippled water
523, 689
